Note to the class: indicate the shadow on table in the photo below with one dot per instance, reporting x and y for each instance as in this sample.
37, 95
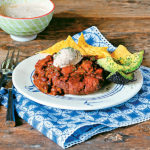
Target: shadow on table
19, 121
69, 23
117, 42
64, 24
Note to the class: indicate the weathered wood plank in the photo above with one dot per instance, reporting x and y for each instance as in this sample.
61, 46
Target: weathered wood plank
105, 8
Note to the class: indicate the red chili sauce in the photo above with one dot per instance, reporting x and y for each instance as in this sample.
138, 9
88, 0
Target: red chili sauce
81, 79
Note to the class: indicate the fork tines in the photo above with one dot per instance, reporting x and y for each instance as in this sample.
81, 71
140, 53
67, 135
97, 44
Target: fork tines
4, 64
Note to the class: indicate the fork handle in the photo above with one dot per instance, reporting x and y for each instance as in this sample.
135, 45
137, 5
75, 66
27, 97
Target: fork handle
10, 117
1, 80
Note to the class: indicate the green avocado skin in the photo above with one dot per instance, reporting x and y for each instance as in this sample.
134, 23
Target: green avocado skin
133, 62
120, 77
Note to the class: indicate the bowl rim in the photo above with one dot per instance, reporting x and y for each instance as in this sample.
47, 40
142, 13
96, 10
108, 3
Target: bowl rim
33, 17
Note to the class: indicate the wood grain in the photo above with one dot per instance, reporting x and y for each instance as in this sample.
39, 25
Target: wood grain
106, 8
124, 22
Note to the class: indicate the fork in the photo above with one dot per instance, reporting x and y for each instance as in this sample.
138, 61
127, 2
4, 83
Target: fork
7, 68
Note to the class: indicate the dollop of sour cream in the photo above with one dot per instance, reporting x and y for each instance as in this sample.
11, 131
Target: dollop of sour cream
67, 56
26, 9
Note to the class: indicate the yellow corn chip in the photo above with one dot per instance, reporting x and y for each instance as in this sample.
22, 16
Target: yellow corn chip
120, 51
82, 46
55, 48
101, 52
69, 42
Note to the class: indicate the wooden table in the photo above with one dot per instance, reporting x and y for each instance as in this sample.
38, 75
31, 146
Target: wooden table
124, 22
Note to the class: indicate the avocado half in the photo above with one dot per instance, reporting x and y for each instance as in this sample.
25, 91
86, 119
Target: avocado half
133, 62
120, 77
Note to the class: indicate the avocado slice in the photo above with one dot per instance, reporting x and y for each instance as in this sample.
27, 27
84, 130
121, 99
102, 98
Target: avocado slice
133, 58
124, 57
120, 77
109, 64
132, 62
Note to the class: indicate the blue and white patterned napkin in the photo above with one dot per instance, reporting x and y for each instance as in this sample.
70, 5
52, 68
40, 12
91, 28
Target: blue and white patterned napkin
68, 127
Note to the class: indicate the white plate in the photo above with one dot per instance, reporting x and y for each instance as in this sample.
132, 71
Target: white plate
110, 95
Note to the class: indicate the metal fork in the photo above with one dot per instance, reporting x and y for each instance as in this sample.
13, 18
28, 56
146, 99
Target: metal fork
7, 68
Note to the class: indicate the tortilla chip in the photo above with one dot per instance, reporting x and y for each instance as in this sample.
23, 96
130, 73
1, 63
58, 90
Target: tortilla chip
55, 48
82, 46
101, 52
69, 42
